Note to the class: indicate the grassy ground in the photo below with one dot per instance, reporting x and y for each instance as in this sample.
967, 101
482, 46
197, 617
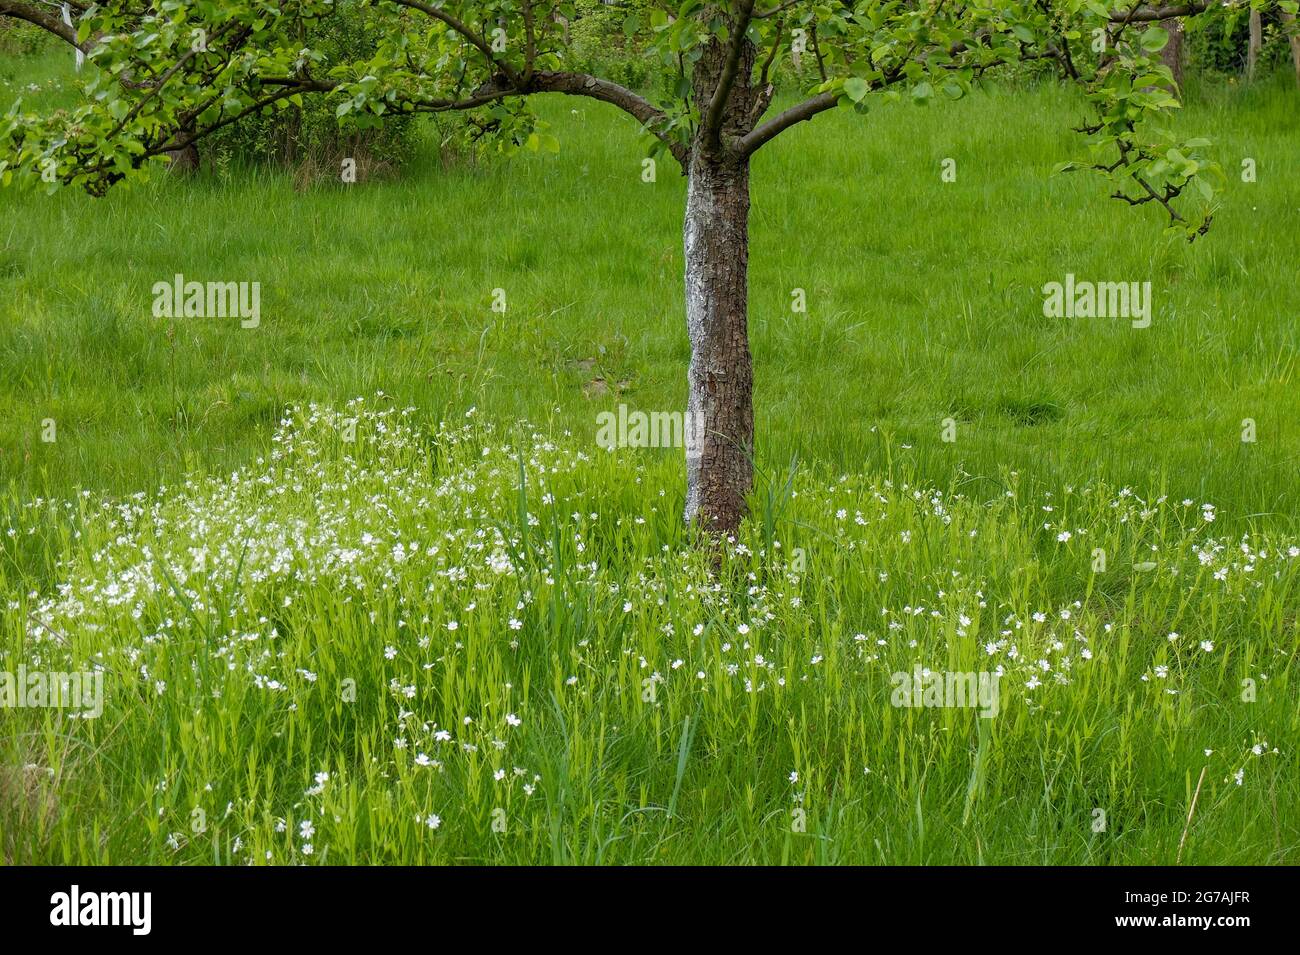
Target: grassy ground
924, 303
393, 650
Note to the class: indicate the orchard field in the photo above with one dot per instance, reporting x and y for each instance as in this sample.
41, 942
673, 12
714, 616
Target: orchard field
363, 588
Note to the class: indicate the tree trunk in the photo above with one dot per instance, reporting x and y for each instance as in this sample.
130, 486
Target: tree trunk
715, 236
1256, 40
1293, 37
185, 159
720, 409
1172, 55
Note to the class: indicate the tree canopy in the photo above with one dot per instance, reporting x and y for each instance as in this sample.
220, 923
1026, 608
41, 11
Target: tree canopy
161, 75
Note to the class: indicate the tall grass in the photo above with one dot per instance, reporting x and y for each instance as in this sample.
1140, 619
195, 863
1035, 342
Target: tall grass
488, 644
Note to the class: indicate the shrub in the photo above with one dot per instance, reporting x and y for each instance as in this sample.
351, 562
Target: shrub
1218, 40
22, 39
309, 137
600, 45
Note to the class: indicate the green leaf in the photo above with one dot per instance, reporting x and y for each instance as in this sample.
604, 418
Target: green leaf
631, 25
1154, 38
856, 88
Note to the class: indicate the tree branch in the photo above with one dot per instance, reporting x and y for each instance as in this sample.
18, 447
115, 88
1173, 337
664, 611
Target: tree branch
779, 8
783, 121
478, 42
1149, 14
718, 102
49, 22
582, 84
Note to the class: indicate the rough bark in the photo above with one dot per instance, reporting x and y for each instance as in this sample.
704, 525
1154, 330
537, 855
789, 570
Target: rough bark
719, 466
1172, 55
719, 472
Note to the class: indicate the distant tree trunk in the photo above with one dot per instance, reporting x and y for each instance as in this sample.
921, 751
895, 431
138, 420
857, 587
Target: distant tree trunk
185, 159
1256, 41
1173, 55
1293, 37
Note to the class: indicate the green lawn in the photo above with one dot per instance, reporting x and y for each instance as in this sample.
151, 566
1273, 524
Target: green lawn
924, 303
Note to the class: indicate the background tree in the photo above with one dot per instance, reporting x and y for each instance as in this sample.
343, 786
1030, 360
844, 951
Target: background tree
1256, 41
1289, 25
162, 75
1172, 55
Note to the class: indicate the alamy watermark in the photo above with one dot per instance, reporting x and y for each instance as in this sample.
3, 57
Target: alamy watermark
946, 688
654, 429
1083, 299
181, 299
75, 907
82, 691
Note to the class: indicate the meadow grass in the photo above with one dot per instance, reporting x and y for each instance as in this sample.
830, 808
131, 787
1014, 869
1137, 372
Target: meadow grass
490, 644
232, 565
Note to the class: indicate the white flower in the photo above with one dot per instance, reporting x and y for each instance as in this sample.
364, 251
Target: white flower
513, 720
1207, 646
306, 830
432, 821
